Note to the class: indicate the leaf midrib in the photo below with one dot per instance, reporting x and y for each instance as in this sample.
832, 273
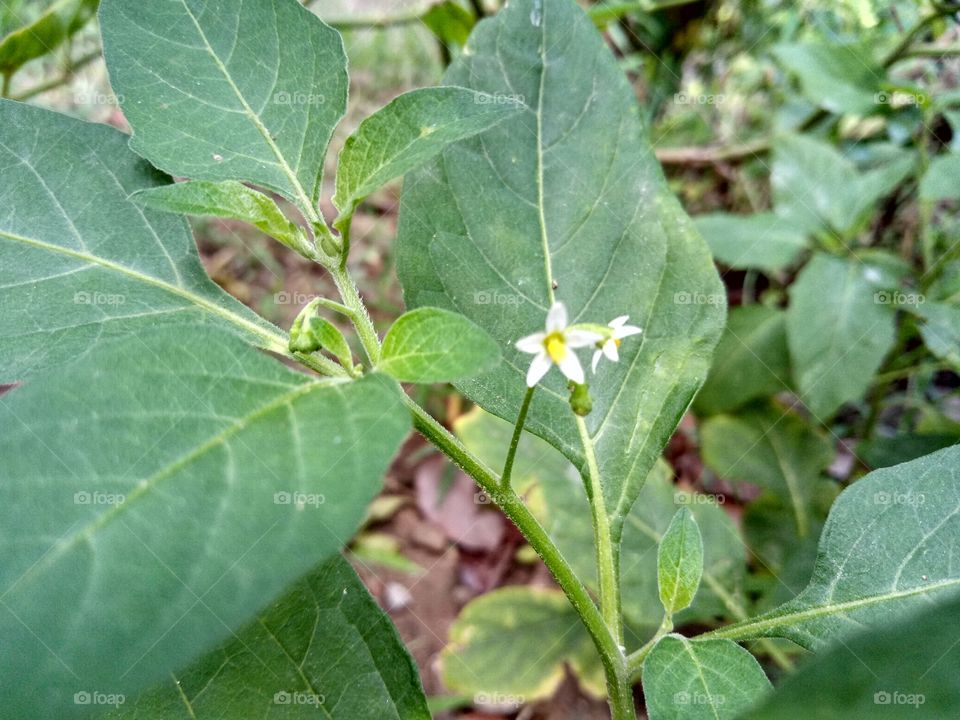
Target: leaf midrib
275, 341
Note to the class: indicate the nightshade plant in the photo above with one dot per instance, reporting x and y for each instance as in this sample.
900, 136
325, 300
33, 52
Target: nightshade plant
173, 499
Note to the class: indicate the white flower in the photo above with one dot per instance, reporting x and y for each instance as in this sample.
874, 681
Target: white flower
610, 345
555, 347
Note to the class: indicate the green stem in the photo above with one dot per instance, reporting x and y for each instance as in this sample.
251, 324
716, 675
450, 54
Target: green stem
608, 563
611, 655
5, 91
515, 440
358, 312
636, 658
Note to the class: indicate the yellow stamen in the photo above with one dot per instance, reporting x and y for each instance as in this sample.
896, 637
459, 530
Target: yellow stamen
616, 341
556, 347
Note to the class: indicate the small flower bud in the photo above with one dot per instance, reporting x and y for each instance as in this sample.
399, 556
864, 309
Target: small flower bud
580, 400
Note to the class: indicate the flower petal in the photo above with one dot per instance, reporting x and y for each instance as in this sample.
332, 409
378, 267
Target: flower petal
531, 343
617, 322
626, 331
557, 317
581, 338
538, 368
610, 350
570, 366
596, 360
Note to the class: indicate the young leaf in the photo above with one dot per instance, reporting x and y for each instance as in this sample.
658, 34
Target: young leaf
565, 192
232, 90
325, 648
763, 241
679, 562
772, 448
751, 361
159, 492
906, 670
429, 345
709, 680
228, 199
414, 128
840, 325
888, 546
45, 34
79, 263
514, 642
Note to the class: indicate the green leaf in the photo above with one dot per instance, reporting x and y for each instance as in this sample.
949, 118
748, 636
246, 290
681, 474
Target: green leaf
45, 34
450, 22
554, 490
309, 334
429, 345
772, 448
414, 128
906, 670
888, 547
566, 192
816, 188
763, 241
840, 325
942, 179
228, 199
510, 646
841, 78
79, 263
229, 90
680, 562
160, 491
941, 331
714, 680
751, 361
324, 648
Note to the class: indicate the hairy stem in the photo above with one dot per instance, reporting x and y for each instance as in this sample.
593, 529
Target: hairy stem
608, 565
358, 312
515, 440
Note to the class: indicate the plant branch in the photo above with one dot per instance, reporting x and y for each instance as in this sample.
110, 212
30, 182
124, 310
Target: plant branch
608, 561
515, 440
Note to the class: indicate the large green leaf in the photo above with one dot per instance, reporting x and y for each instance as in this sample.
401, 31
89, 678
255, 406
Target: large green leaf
772, 448
905, 670
227, 89
159, 492
840, 325
889, 546
713, 680
751, 361
323, 650
412, 129
513, 643
566, 193
79, 263
45, 34
762, 241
